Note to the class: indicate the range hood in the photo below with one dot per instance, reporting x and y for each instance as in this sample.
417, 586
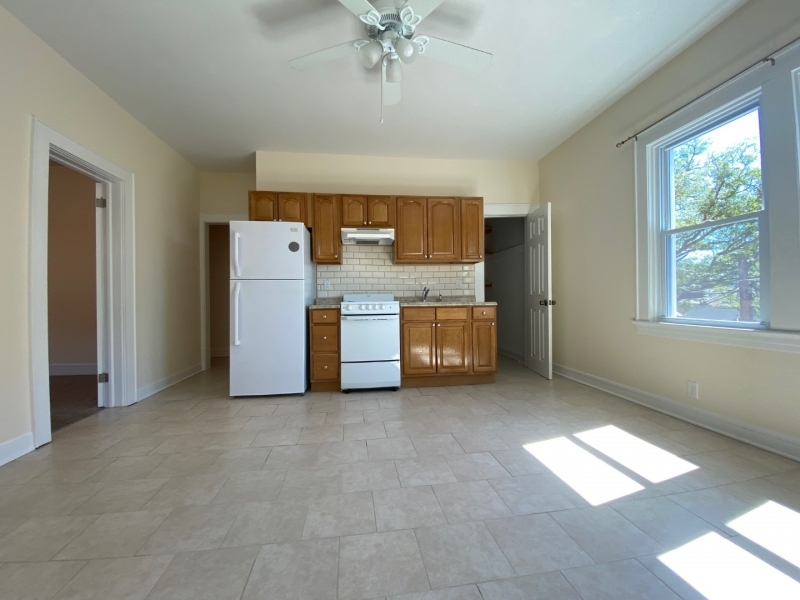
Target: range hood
367, 236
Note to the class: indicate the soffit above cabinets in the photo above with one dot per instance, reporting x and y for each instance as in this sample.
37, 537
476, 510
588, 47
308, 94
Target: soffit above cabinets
213, 80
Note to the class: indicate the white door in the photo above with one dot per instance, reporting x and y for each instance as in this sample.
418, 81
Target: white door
104, 396
267, 250
539, 293
268, 338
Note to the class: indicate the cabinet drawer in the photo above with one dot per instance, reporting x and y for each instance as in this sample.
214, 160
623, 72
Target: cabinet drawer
419, 314
325, 316
325, 338
324, 367
452, 313
484, 313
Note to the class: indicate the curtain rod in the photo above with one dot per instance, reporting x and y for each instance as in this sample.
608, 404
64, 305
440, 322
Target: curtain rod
767, 59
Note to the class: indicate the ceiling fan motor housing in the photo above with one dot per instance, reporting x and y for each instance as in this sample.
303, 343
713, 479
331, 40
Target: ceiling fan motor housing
392, 19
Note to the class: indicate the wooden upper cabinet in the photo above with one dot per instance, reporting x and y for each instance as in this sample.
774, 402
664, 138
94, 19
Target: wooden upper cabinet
411, 243
484, 347
354, 211
263, 206
444, 234
419, 348
327, 236
452, 347
380, 212
472, 229
291, 207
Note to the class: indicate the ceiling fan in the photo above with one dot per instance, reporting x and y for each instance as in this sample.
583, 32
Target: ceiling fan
391, 27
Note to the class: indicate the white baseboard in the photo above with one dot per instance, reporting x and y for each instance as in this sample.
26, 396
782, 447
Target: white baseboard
220, 352
73, 369
766, 439
13, 449
510, 354
157, 386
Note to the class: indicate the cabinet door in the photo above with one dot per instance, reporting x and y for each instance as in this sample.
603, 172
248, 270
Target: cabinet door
327, 231
292, 207
380, 212
354, 211
484, 347
412, 230
452, 347
444, 235
263, 206
419, 349
472, 232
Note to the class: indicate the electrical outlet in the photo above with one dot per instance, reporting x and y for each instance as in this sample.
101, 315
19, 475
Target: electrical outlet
326, 284
693, 389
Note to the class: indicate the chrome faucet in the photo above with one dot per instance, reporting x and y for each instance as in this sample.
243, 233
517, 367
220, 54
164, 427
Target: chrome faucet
425, 292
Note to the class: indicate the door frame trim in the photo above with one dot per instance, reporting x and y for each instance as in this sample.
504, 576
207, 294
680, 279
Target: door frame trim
207, 219
120, 275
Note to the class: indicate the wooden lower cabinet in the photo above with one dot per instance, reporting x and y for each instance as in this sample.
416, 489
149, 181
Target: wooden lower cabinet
484, 347
452, 347
448, 345
325, 357
419, 348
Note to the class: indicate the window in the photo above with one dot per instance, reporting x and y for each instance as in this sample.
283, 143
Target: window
718, 214
712, 226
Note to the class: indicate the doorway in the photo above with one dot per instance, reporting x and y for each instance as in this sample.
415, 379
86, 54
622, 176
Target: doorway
504, 281
218, 291
115, 281
72, 296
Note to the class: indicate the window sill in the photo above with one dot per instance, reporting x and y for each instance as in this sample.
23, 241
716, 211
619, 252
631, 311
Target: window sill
779, 341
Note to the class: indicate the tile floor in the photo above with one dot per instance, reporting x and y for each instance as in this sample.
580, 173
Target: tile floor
424, 494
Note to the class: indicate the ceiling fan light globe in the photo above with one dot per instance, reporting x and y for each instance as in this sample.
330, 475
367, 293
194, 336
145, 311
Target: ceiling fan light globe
406, 50
394, 71
370, 54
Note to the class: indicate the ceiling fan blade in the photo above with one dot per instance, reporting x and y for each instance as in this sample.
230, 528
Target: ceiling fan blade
324, 56
391, 92
423, 7
358, 7
454, 54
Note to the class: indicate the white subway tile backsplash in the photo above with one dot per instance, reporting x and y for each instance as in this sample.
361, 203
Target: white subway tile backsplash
370, 269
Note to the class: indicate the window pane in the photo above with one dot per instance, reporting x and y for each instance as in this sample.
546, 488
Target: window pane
716, 273
717, 175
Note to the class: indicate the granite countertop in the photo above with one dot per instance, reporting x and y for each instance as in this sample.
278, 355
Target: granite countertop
446, 301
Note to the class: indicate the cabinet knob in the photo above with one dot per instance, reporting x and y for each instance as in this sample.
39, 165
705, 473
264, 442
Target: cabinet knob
370, 222
324, 316
325, 368
324, 338
484, 313
481, 256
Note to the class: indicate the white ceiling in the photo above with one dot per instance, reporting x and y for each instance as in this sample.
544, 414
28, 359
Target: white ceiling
212, 79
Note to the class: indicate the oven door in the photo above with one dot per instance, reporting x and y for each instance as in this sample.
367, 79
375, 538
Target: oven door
370, 338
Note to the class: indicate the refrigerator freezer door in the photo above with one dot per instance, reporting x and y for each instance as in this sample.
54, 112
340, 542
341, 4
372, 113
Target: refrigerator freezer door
268, 338
267, 250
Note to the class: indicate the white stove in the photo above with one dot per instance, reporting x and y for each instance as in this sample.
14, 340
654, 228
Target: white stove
370, 342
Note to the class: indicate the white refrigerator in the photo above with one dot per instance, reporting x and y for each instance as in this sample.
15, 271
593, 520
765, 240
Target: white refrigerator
273, 282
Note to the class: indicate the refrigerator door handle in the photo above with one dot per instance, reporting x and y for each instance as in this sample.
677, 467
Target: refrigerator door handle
236, 262
237, 289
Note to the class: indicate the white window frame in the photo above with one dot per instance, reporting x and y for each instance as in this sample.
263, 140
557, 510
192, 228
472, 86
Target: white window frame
775, 91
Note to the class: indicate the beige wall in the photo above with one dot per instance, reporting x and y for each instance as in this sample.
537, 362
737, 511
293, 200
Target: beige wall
499, 182
591, 186
225, 192
71, 276
37, 81
219, 288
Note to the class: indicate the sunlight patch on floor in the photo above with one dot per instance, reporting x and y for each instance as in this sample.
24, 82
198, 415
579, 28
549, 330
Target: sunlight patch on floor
774, 527
593, 479
721, 570
643, 458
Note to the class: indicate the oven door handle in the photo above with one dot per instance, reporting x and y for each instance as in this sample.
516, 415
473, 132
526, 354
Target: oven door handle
373, 318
